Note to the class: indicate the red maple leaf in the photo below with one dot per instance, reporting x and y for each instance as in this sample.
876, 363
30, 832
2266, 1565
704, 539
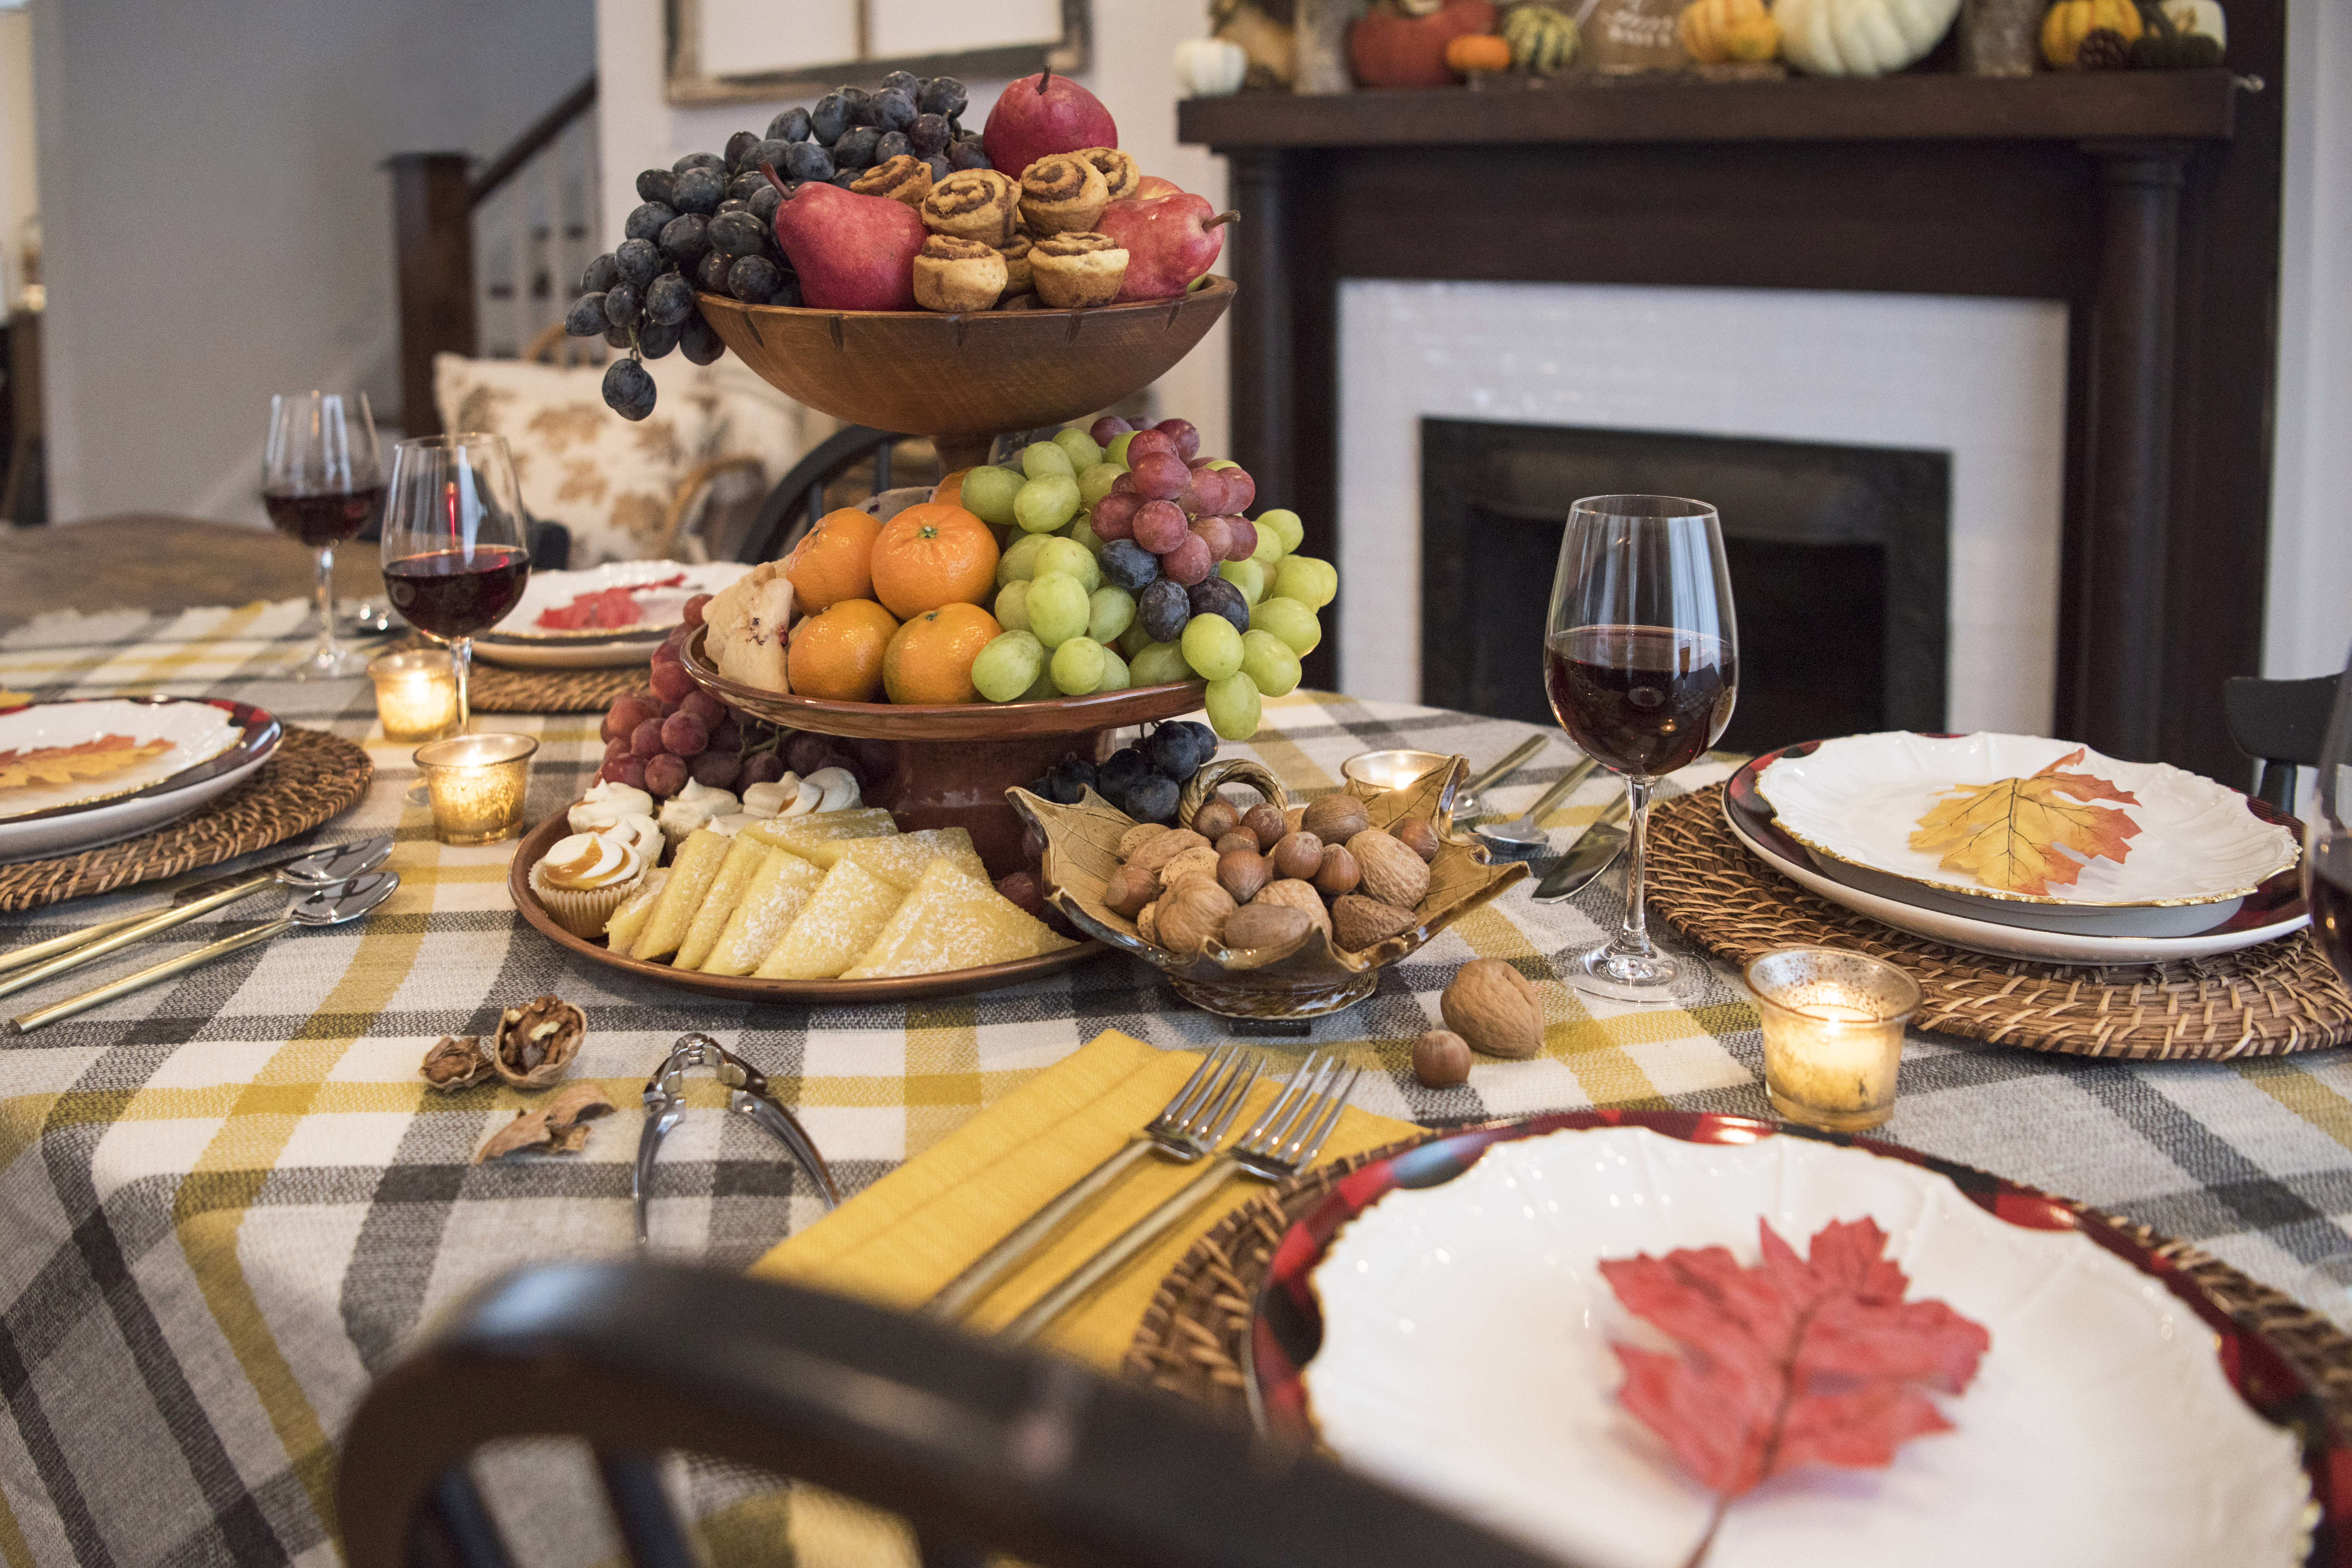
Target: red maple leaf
1796, 1360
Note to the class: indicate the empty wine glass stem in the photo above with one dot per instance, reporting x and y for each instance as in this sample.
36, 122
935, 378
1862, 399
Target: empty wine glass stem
1633, 935
324, 596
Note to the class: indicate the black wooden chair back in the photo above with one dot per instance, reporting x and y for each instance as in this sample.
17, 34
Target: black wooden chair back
2282, 723
977, 1447
799, 500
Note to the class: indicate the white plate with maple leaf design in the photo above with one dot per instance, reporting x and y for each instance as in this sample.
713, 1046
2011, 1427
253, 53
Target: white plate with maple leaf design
1465, 1354
1854, 805
185, 751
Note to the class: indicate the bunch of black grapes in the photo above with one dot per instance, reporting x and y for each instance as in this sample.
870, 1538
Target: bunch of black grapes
708, 222
1143, 780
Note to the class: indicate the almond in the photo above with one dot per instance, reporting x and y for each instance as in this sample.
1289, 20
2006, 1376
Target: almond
1147, 924
1357, 922
1391, 873
1136, 837
1295, 894
1198, 861
1164, 847
1491, 1004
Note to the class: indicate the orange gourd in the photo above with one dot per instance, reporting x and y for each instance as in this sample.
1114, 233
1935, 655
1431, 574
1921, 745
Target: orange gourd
1714, 31
1478, 52
2064, 28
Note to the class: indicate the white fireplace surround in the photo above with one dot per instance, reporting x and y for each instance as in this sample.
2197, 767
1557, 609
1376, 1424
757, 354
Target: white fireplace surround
1984, 380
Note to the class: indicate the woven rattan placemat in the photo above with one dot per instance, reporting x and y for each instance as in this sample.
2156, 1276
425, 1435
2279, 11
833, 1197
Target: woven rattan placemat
1189, 1343
2262, 1001
493, 688
312, 776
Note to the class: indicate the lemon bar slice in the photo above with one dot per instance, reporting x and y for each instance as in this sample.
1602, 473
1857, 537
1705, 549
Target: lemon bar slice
622, 930
782, 889
701, 855
900, 861
849, 910
952, 921
802, 834
743, 862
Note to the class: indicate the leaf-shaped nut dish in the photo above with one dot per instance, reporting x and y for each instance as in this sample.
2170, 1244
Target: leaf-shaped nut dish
1300, 979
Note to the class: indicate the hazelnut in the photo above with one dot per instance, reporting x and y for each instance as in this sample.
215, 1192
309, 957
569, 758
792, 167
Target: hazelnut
1239, 838
1292, 893
1336, 872
1267, 925
1243, 873
1441, 1059
1266, 820
1200, 860
1357, 922
1336, 818
1491, 1004
1193, 914
1215, 819
1129, 889
1157, 851
1390, 872
1416, 833
1136, 837
1298, 854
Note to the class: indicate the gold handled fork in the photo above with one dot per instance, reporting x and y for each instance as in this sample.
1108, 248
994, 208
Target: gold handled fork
1281, 1143
1191, 1126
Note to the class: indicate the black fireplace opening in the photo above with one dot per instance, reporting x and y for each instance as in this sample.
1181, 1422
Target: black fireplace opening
1838, 559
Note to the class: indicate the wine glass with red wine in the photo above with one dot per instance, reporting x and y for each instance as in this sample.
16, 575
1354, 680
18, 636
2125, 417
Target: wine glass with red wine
1642, 663
321, 484
2327, 842
454, 557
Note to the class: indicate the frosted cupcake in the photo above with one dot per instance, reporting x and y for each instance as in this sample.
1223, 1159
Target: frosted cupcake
584, 878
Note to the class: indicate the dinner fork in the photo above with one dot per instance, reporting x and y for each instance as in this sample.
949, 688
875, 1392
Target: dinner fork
1193, 1123
1279, 1144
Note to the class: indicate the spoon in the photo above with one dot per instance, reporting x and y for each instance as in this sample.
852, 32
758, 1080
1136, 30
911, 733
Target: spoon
1524, 838
1467, 805
331, 906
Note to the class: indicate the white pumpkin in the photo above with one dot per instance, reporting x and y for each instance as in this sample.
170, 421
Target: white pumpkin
1211, 67
1861, 38
2202, 16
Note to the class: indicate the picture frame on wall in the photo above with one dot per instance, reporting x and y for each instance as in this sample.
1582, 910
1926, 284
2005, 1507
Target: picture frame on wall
740, 51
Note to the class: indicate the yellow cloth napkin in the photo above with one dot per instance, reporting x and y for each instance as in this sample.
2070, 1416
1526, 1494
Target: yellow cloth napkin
903, 1238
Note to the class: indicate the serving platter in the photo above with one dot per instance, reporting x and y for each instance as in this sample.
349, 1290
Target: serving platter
520, 642
744, 988
1437, 1320
215, 745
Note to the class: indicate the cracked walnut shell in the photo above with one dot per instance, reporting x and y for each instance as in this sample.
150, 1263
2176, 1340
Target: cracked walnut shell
458, 1062
534, 1044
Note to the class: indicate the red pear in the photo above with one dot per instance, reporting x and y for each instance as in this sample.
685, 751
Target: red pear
1169, 240
1040, 115
852, 252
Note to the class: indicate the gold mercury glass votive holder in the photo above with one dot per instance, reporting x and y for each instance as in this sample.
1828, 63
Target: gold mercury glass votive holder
1379, 771
416, 694
475, 784
1832, 1034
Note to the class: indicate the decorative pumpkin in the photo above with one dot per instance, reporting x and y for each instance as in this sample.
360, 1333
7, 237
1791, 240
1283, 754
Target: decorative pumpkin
1541, 38
2174, 42
1753, 38
1389, 49
2067, 21
1861, 37
1478, 52
1705, 29
1211, 67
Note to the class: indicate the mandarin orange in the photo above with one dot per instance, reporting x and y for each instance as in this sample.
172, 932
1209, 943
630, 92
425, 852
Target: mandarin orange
833, 560
930, 657
931, 554
838, 652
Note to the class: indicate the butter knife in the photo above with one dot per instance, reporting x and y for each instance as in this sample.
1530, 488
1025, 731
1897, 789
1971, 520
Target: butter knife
1595, 850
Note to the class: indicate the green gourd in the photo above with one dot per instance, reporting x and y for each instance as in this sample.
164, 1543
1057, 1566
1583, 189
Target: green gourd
1541, 38
2166, 46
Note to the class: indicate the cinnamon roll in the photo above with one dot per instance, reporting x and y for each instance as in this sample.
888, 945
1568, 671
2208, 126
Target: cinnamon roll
974, 204
953, 274
906, 179
1117, 170
1061, 194
1017, 278
1077, 269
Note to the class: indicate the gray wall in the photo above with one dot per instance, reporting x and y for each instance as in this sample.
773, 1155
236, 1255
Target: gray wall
217, 224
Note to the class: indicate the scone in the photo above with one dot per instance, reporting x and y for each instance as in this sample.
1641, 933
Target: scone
953, 274
1117, 170
1077, 269
974, 203
1061, 194
906, 179
1017, 277
748, 620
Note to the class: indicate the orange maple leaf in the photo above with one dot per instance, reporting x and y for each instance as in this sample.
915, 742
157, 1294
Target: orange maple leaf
2008, 834
63, 764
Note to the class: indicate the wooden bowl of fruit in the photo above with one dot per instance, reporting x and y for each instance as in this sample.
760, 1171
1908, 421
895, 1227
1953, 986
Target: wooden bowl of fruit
960, 379
1273, 911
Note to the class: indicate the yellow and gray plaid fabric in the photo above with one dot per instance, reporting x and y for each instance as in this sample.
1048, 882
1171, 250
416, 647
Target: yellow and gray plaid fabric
229, 1200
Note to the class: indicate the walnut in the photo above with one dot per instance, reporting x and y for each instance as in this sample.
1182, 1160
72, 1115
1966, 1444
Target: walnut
1336, 872
458, 1062
1441, 1059
1391, 873
1265, 925
1336, 818
1295, 894
1243, 873
1357, 922
1128, 889
1298, 854
1193, 914
1136, 837
1418, 834
1491, 1004
1198, 861
534, 1044
1164, 847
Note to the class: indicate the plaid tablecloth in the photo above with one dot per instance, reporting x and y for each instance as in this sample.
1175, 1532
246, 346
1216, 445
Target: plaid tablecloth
229, 1200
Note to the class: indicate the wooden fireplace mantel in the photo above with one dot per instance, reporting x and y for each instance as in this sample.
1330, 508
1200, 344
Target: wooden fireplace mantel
2147, 202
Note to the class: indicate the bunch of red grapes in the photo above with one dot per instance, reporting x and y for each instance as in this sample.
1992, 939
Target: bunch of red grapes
1181, 508
659, 738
